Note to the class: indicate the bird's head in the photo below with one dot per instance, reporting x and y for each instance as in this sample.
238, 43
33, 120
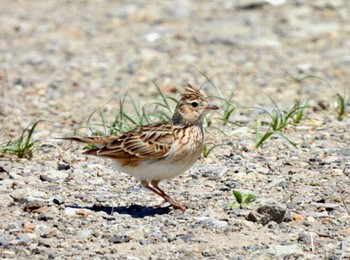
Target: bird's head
192, 107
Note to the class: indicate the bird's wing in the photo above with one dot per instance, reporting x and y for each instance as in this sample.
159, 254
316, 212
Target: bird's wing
152, 141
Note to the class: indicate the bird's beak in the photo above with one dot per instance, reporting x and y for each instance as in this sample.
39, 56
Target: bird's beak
212, 107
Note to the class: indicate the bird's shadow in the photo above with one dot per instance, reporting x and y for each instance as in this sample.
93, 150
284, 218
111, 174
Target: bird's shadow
135, 211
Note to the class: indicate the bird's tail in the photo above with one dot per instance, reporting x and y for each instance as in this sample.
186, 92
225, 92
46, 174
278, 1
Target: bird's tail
98, 141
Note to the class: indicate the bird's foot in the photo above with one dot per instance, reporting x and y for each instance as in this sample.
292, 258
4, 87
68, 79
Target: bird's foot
176, 204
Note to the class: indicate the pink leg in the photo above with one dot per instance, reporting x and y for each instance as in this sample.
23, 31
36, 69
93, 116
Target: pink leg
154, 188
173, 202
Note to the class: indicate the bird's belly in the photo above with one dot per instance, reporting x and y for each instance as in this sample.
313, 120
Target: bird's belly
158, 169
181, 156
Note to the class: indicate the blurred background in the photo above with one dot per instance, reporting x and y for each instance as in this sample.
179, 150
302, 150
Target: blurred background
59, 60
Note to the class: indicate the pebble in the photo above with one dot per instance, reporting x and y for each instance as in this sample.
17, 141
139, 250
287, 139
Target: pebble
327, 206
298, 217
264, 214
32, 203
76, 211
219, 224
85, 233
118, 239
282, 251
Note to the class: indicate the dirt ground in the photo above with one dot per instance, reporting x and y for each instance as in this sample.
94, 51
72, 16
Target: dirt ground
62, 60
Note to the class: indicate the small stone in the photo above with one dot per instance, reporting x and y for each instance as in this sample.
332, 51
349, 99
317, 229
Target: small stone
219, 224
265, 214
47, 178
209, 252
118, 239
304, 68
70, 211
63, 166
282, 251
57, 201
322, 214
8, 253
304, 238
298, 217
25, 238
101, 199
47, 215
40, 210
322, 209
32, 203
43, 230
272, 225
253, 247
310, 219
145, 242
325, 206
186, 238
83, 212
5, 200
85, 233
28, 227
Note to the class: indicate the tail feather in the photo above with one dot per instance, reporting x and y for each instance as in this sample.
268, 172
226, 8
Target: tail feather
102, 140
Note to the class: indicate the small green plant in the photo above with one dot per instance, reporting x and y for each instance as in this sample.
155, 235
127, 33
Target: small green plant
158, 111
126, 119
23, 145
228, 108
340, 102
340, 105
277, 123
299, 113
242, 200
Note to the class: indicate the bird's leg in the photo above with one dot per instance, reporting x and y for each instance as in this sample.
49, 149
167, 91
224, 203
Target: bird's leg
146, 185
173, 202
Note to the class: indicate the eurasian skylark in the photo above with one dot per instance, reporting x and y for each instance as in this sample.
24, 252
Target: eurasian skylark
160, 151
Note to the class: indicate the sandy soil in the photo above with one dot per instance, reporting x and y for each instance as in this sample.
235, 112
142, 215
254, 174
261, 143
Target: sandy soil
61, 60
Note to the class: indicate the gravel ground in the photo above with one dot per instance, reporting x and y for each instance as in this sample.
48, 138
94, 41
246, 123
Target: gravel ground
60, 60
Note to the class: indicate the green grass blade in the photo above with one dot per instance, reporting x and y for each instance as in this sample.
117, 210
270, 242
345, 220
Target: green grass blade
263, 139
285, 138
238, 196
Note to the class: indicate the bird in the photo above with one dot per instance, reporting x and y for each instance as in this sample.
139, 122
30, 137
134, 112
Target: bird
159, 151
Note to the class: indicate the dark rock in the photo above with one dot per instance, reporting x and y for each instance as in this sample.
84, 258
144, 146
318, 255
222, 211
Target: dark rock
2, 169
63, 167
118, 239
265, 214
32, 203
57, 201
44, 177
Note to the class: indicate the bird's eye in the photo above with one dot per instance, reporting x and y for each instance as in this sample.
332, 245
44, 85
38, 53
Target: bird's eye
194, 104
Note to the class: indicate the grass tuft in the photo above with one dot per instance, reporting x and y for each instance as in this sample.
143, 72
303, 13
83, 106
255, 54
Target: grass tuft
277, 122
23, 145
340, 106
340, 103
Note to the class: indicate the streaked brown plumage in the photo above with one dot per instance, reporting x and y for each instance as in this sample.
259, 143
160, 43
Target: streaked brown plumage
158, 151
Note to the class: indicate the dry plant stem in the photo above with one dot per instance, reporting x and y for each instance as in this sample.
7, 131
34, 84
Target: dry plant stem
312, 243
345, 206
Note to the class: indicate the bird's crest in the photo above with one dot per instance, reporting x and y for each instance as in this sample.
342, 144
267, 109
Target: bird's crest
192, 93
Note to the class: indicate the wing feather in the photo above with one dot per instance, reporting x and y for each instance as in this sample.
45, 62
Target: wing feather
151, 141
